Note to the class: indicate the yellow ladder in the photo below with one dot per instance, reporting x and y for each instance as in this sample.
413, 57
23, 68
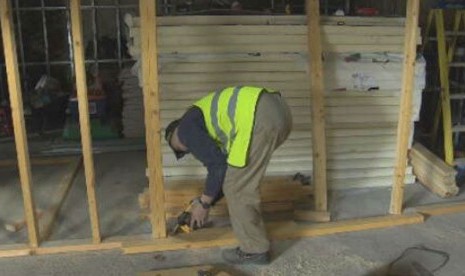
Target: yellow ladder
446, 49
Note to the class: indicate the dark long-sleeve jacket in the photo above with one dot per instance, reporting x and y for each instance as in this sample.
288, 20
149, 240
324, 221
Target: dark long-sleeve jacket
193, 133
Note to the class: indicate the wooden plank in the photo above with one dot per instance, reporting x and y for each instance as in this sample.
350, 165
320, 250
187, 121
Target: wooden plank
48, 219
405, 114
218, 237
318, 105
78, 245
17, 250
152, 116
441, 208
424, 154
17, 112
439, 187
84, 121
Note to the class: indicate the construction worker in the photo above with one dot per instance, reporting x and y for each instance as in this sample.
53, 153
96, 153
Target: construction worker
234, 132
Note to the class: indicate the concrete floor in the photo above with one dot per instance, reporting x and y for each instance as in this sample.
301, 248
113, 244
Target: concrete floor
121, 176
360, 253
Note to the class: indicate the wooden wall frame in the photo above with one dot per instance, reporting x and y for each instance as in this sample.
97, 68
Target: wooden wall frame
149, 59
84, 118
158, 239
16, 102
405, 114
318, 105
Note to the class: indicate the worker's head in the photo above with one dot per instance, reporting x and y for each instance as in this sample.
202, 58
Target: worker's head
173, 140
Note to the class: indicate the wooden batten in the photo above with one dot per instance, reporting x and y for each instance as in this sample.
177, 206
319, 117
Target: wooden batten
84, 120
17, 112
318, 105
152, 116
215, 237
405, 114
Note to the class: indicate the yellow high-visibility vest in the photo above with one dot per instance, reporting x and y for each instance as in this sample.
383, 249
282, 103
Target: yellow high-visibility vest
229, 116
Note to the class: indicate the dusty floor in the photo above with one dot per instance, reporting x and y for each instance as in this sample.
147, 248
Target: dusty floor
360, 253
120, 177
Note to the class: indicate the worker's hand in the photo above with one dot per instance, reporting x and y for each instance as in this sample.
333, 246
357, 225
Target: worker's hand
199, 216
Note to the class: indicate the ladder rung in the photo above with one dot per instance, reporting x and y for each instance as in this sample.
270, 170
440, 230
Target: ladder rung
457, 96
457, 64
458, 128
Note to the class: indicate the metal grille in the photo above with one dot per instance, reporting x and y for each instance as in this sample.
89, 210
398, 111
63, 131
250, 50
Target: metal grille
31, 67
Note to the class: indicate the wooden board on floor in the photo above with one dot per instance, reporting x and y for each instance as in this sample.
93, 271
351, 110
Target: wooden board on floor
77, 245
217, 237
441, 208
15, 250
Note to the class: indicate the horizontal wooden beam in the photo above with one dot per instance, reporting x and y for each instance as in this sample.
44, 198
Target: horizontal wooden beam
441, 209
212, 237
16, 250
80, 245
218, 237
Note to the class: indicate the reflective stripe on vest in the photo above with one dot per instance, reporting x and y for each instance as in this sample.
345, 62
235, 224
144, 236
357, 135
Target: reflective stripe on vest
232, 106
229, 117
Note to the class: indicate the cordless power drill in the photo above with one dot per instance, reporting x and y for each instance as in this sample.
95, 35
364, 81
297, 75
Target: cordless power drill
183, 221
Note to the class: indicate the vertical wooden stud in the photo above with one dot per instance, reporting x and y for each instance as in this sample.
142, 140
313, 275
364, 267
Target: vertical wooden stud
17, 112
405, 114
318, 105
149, 60
84, 121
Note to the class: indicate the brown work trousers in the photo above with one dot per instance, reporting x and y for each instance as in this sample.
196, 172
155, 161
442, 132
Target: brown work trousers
273, 123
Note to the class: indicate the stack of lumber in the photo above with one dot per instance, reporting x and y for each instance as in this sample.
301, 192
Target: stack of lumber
278, 194
432, 172
198, 55
133, 105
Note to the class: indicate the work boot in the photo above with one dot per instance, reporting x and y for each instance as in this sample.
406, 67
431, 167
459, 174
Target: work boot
237, 256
